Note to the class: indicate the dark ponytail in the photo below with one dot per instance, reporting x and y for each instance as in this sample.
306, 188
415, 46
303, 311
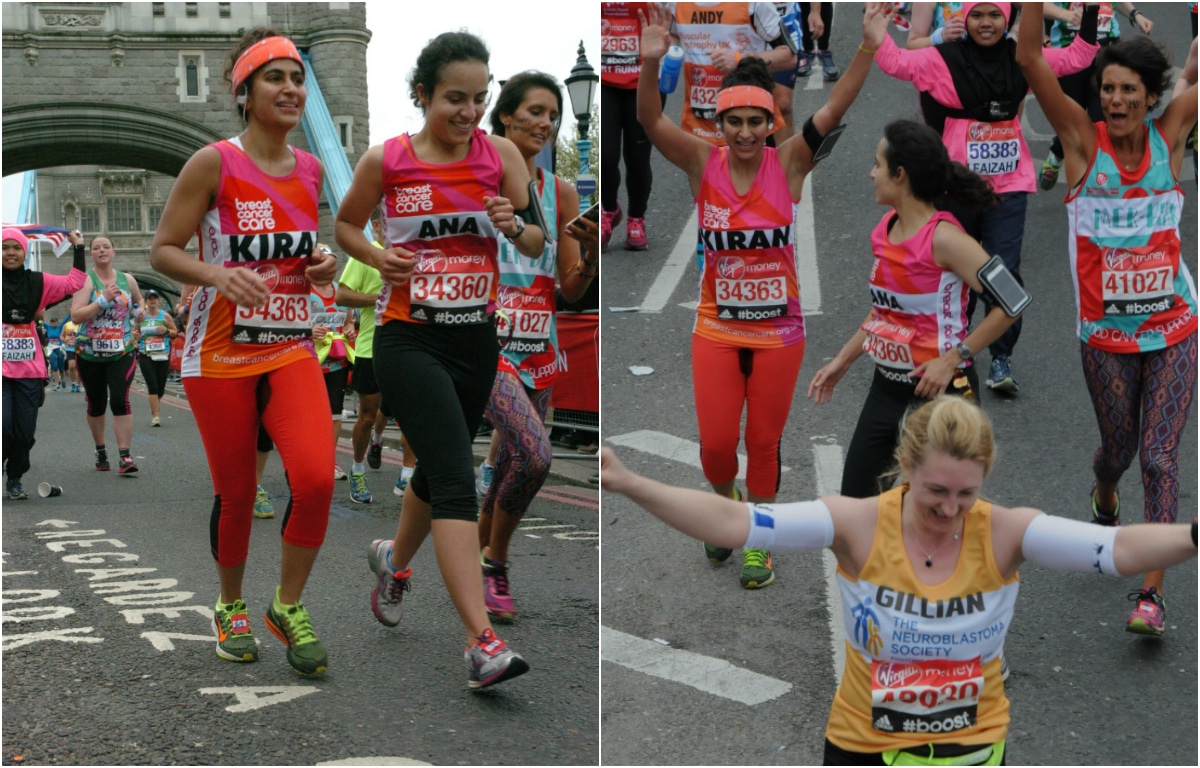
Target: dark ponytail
932, 175
751, 70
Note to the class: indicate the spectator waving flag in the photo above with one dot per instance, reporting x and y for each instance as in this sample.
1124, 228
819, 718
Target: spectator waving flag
56, 236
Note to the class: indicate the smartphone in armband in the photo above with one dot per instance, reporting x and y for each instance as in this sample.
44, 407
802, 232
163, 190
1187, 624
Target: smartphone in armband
1003, 288
535, 204
829, 141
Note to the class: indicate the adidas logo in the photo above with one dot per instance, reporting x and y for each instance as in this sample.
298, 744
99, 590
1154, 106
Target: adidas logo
242, 337
725, 315
884, 724
419, 314
1112, 310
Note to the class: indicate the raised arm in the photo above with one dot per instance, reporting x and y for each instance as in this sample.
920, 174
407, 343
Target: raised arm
689, 153
1069, 120
795, 154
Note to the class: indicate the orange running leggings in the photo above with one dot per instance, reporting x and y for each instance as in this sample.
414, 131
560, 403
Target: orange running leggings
726, 377
292, 402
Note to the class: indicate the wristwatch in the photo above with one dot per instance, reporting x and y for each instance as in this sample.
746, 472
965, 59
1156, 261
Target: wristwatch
964, 351
520, 228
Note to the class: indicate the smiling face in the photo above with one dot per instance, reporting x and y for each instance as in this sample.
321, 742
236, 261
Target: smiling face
534, 122
746, 130
941, 490
456, 106
277, 93
14, 255
985, 24
1124, 100
102, 251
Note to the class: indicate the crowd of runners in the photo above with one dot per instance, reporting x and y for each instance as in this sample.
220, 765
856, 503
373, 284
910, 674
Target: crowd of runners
910, 522
450, 311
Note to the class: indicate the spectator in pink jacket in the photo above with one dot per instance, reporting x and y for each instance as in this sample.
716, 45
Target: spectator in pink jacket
25, 294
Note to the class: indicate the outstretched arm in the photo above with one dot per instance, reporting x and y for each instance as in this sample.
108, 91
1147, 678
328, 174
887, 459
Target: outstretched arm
703, 516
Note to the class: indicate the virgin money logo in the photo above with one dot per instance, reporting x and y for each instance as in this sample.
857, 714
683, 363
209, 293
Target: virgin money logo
1102, 178
980, 131
431, 264
894, 675
604, 25
269, 275
731, 267
507, 296
698, 77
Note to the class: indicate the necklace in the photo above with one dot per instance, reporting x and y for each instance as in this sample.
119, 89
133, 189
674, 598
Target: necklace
929, 555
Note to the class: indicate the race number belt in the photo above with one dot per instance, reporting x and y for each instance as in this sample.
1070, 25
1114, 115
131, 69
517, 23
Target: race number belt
1137, 281
451, 290
19, 345
889, 345
333, 319
284, 314
925, 697
993, 148
742, 294
107, 339
703, 85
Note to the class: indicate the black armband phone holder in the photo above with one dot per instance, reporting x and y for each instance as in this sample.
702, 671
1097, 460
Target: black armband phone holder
820, 146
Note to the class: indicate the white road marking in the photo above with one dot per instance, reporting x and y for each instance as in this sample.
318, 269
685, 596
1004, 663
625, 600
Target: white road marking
704, 673
672, 271
251, 698
806, 252
827, 460
375, 761
673, 448
162, 640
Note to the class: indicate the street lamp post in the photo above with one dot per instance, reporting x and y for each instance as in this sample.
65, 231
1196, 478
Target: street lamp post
581, 88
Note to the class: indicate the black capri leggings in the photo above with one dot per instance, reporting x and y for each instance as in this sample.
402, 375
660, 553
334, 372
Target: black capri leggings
107, 379
438, 380
822, 43
873, 447
155, 373
620, 124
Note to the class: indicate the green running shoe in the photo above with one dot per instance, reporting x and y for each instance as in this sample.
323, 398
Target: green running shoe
293, 626
756, 568
262, 504
721, 554
231, 625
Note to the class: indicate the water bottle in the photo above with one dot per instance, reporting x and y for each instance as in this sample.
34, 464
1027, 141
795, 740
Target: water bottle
668, 75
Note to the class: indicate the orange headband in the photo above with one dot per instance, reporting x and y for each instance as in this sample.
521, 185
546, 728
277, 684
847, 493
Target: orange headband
749, 96
267, 49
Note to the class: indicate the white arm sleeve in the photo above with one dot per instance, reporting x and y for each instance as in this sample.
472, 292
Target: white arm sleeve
1070, 545
798, 527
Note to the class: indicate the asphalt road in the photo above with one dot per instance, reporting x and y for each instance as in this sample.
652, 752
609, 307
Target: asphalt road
1083, 691
88, 678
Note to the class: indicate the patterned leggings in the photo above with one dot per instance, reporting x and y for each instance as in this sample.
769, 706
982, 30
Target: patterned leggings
1156, 389
524, 454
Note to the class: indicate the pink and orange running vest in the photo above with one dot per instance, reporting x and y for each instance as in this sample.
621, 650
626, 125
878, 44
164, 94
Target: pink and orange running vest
749, 293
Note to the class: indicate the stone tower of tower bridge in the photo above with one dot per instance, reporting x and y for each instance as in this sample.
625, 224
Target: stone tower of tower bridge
107, 101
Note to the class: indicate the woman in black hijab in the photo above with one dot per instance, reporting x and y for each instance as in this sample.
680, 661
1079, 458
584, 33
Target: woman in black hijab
26, 293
